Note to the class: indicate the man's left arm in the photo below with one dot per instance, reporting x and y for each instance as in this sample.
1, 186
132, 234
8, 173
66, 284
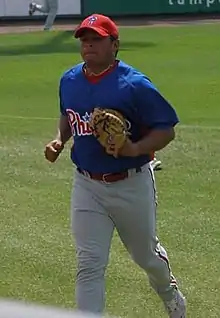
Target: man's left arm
156, 140
157, 115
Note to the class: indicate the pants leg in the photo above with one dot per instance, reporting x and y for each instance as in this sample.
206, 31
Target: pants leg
92, 230
53, 8
135, 219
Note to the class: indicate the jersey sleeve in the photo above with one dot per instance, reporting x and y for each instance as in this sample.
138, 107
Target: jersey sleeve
61, 99
154, 111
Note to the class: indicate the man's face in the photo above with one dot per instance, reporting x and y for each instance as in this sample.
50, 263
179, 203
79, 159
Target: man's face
97, 49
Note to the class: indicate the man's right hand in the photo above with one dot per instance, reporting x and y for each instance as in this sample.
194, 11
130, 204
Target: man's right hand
53, 149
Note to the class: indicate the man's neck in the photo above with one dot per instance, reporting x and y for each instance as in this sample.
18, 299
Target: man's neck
97, 70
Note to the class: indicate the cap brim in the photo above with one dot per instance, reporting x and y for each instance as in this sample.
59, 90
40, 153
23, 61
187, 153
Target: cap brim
80, 30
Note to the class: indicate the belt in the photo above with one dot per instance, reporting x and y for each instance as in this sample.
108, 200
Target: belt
110, 177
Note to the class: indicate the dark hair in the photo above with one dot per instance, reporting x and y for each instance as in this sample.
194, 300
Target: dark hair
112, 38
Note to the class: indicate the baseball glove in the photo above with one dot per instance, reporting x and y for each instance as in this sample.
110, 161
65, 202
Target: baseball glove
110, 129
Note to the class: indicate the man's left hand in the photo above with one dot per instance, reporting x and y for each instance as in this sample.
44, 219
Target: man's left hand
129, 149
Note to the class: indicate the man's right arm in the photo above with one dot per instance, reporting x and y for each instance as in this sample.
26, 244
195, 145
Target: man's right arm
64, 130
55, 147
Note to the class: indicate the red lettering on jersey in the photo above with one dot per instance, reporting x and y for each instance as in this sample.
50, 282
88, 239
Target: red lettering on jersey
87, 129
71, 119
79, 124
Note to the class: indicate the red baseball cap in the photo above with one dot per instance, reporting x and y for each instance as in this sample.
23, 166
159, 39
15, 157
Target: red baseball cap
101, 24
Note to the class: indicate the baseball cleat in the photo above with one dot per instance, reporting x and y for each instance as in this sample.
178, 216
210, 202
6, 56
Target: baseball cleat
32, 8
176, 308
156, 164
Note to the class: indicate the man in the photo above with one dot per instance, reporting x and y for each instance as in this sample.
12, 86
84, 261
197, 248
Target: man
50, 7
113, 193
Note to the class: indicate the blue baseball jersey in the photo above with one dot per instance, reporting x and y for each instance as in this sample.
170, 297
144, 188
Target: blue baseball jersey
123, 89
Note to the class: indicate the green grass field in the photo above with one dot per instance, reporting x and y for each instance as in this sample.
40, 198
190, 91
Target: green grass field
37, 252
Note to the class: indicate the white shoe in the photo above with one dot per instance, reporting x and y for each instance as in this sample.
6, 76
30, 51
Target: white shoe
176, 308
156, 164
32, 8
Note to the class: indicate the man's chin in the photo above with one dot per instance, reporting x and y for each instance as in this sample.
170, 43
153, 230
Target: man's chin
90, 61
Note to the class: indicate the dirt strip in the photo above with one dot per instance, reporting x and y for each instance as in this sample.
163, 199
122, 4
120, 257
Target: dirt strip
67, 24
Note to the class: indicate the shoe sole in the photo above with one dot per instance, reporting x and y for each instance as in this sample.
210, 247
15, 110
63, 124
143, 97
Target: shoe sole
158, 168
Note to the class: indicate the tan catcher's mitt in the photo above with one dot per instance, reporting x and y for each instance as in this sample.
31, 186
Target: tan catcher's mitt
110, 129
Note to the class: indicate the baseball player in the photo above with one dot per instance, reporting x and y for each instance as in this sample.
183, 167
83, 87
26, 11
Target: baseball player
114, 185
50, 7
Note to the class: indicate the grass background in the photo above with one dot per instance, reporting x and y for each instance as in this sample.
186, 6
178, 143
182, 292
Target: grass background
37, 252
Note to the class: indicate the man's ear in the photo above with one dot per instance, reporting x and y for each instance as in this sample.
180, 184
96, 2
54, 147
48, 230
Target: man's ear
117, 44
116, 47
